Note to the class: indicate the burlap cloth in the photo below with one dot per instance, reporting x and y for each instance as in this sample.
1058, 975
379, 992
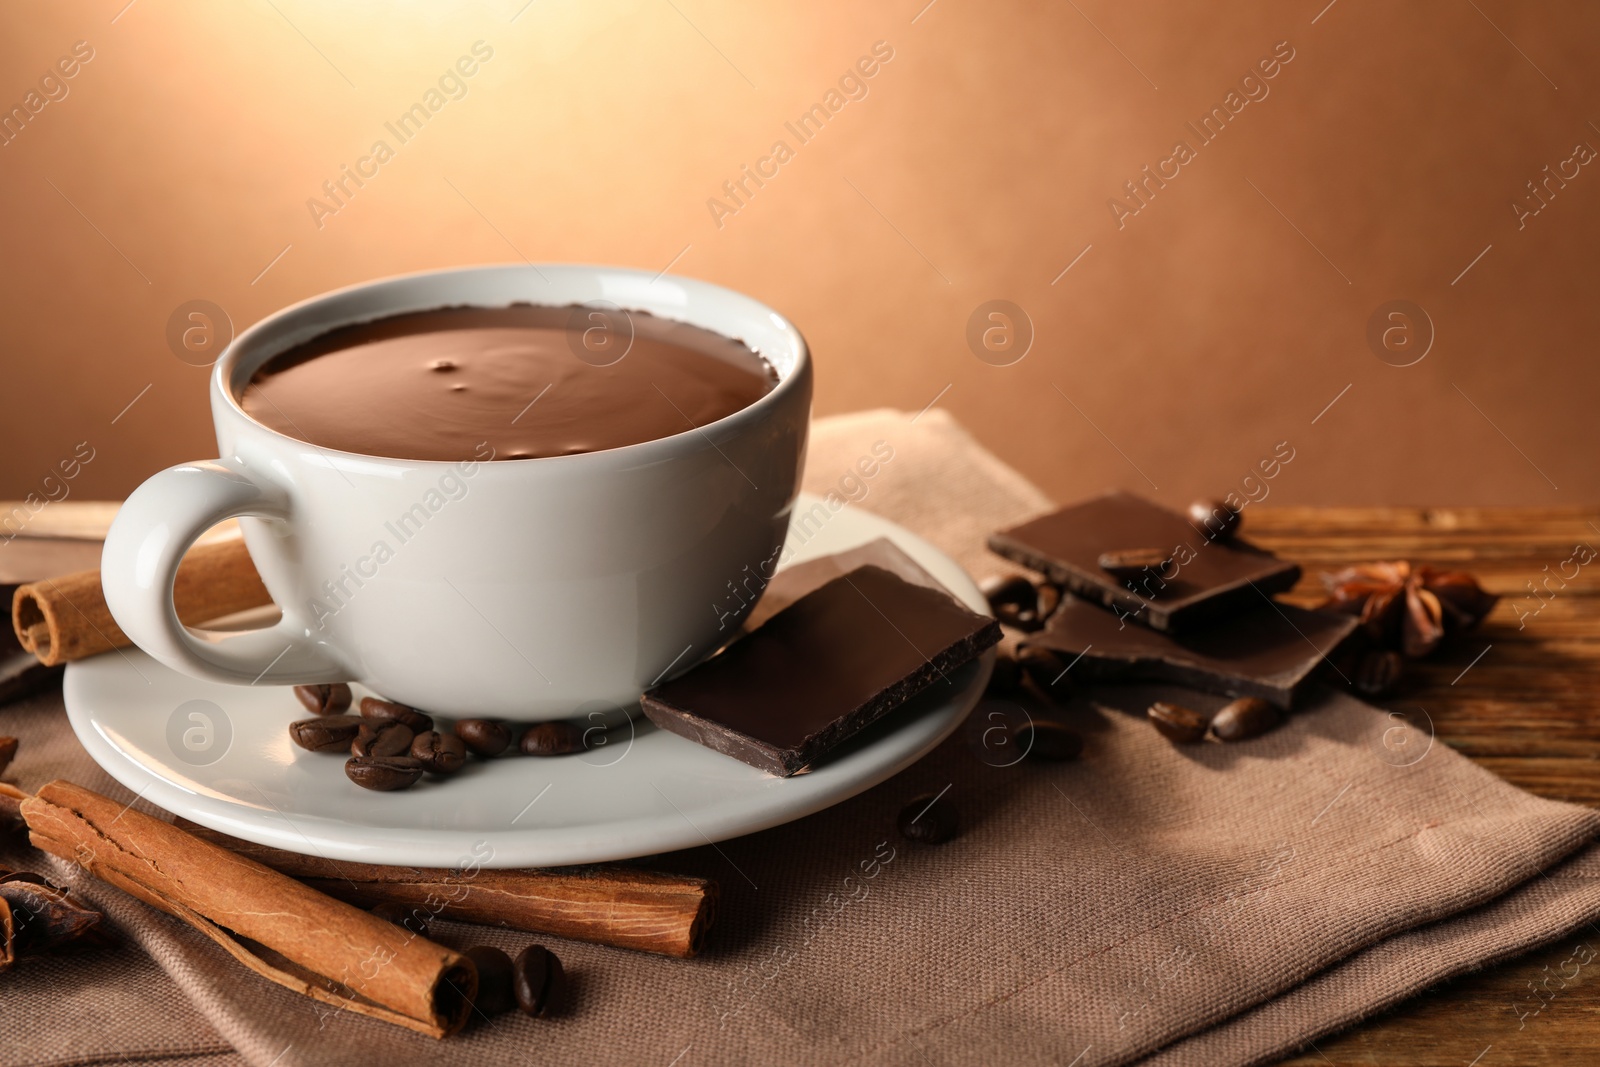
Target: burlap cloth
1219, 904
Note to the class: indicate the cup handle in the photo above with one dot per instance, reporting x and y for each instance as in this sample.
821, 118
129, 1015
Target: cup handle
148, 539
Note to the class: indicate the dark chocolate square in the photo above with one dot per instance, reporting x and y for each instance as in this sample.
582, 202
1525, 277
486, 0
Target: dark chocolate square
1267, 652
1209, 579
831, 663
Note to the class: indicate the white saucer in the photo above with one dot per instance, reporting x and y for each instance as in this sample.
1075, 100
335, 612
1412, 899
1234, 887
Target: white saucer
220, 756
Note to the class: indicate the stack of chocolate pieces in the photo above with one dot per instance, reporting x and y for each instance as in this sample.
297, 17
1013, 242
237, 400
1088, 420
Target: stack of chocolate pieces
1157, 596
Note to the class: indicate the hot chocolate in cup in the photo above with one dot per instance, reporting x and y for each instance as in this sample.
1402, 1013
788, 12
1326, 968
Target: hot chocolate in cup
554, 583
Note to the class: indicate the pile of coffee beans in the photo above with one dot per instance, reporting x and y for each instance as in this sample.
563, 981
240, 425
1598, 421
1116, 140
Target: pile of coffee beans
1036, 677
1241, 720
534, 981
391, 746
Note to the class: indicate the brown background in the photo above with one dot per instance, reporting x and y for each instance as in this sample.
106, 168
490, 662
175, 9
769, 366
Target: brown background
978, 166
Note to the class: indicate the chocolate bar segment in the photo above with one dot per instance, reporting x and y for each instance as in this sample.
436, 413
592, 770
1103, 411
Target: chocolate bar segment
794, 582
831, 663
1203, 579
1267, 652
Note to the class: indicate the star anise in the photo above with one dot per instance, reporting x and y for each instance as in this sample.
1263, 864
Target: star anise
37, 917
1409, 608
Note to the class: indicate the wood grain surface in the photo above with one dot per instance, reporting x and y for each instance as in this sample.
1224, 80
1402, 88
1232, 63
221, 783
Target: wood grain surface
1517, 696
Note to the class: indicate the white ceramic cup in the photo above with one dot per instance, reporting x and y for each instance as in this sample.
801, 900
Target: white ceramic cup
531, 589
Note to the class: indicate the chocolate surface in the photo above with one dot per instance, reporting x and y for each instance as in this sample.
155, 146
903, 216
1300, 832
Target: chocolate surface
1266, 652
794, 582
1206, 579
826, 666
452, 383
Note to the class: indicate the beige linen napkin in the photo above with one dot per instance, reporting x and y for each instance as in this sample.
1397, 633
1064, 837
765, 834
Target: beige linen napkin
1213, 904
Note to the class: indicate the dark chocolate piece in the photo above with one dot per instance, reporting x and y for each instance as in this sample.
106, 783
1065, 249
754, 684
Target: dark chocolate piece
1267, 652
826, 666
1206, 579
794, 582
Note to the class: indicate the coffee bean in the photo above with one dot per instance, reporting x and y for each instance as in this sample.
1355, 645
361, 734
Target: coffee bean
1176, 722
389, 711
324, 699
484, 737
1046, 740
382, 737
1014, 601
409, 916
1135, 562
1047, 668
1377, 671
1017, 617
1049, 600
929, 821
552, 739
1215, 519
538, 981
383, 773
1014, 589
1006, 679
1245, 718
439, 753
329, 733
496, 990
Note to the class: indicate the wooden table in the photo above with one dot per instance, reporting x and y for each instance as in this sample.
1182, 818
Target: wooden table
1522, 709
1517, 696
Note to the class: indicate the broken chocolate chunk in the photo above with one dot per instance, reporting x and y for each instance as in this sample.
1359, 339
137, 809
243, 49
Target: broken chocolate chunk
826, 666
1204, 578
1268, 652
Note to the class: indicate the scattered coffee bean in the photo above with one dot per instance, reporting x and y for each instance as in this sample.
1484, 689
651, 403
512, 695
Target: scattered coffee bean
1047, 668
1014, 601
1135, 562
324, 699
552, 739
1176, 722
1046, 740
538, 981
1377, 671
382, 737
484, 737
496, 991
929, 820
1215, 519
389, 711
1006, 679
1007, 589
409, 916
329, 733
439, 753
1049, 601
383, 773
1245, 718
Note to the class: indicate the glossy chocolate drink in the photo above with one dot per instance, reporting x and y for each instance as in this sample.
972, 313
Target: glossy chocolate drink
525, 380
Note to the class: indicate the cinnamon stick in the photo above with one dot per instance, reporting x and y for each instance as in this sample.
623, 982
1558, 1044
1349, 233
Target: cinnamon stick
64, 619
622, 907
284, 931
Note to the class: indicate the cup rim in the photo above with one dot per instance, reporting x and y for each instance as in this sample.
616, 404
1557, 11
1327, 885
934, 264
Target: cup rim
258, 332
